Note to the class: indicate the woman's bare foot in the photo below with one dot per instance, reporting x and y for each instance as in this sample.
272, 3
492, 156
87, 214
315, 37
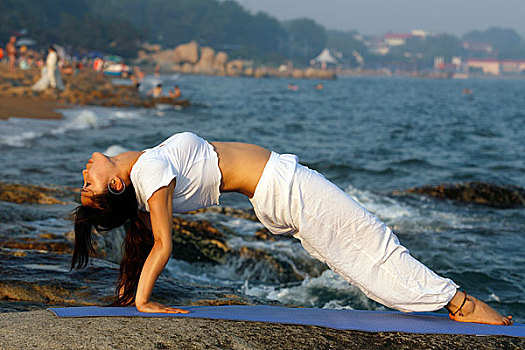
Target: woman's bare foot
474, 310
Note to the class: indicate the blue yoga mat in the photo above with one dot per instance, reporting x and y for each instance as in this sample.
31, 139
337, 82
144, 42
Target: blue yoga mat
369, 321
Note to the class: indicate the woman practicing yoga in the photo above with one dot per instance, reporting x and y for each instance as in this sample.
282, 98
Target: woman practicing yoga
185, 172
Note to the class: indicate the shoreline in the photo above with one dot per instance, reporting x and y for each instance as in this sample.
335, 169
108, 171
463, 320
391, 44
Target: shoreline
23, 107
41, 329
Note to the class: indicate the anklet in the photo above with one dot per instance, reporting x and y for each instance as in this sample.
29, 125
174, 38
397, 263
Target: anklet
462, 304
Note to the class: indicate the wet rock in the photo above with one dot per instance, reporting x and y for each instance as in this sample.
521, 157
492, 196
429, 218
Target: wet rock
198, 241
477, 192
246, 214
264, 266
17, 193
164, 100
38, 278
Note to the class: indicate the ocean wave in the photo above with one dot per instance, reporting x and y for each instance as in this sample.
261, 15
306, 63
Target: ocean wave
14, 131
411, 217
328, 290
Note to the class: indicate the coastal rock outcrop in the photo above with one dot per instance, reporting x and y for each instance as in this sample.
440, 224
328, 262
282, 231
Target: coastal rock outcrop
17, 193
31, 279
206, 61
477, 192
187, 53
188, 58
85, 88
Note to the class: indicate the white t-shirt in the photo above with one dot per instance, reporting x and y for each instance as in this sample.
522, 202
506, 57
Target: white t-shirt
186, 157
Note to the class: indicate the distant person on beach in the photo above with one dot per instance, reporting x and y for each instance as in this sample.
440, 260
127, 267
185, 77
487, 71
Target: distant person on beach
319, 86
136, 76
50, 76
143, 189
10, 50
156, 92
293, 87
175, 93
157, 71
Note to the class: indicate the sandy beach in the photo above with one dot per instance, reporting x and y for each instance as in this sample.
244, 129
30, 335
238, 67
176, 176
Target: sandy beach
28, 108
41, 329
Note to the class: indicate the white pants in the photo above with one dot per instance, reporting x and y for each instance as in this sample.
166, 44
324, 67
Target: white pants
334, 228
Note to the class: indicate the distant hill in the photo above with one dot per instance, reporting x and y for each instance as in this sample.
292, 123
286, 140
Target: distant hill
119, 26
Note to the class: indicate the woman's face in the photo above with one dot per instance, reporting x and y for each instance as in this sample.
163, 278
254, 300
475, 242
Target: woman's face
96, 177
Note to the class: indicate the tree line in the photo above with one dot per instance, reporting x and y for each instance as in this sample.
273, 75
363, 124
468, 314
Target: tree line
121, 26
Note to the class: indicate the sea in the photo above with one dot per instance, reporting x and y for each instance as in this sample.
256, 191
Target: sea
368, 135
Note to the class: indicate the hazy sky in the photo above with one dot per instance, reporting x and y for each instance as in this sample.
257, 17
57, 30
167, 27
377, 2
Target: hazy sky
380, 16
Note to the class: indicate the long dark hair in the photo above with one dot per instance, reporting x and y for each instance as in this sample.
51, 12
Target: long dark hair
110, 211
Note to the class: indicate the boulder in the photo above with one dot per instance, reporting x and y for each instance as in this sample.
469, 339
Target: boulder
205, 64
476, 192
313, 73
188, 68
17, 193
235, 67
37, 279
187, 52
297, 73
219, 62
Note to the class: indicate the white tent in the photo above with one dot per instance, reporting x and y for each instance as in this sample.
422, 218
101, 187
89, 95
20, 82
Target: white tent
325, 57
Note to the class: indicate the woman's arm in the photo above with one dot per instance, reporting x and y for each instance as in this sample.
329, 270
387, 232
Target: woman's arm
161, 213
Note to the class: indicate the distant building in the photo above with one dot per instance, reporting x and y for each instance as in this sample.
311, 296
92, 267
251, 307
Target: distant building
486, 66
439, 62
475, 46
397, 39
512, 66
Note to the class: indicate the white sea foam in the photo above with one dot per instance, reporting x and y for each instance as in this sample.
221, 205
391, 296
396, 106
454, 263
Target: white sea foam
113, 150
410, 218
14, 131
327, 290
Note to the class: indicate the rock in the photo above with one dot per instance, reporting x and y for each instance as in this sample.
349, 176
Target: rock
198, 241
169, 101
476, 192
219, 62
187, 52
313, 73
187, 68
43, 330
205, 64
17, 193
35, 279
264, 266
297, 73
235, 68
247, 214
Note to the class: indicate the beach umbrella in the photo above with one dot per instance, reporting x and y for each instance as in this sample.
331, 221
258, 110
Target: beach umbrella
25, 42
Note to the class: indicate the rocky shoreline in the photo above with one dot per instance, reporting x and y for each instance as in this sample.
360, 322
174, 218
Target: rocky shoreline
85, 88
41, 329
190, 58
35, 274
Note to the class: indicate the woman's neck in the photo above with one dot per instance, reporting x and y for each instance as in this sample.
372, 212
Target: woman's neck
124, 162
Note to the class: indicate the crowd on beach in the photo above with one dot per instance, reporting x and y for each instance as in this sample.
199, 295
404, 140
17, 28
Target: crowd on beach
54, 62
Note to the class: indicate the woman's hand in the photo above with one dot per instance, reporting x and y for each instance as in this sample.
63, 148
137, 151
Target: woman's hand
152, 306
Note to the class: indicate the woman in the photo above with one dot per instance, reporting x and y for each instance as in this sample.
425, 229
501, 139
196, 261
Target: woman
186, 173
